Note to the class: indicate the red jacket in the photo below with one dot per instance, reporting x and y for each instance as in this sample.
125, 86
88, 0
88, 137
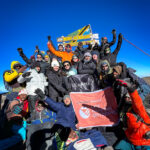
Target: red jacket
136, 129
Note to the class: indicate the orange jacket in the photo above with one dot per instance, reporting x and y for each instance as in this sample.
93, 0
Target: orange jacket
136, 129
64, 55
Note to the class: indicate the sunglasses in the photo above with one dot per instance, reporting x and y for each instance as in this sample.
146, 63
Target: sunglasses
17, 66
66, 65
39, 57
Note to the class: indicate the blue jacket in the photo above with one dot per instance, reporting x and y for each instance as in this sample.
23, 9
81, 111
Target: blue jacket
65, 115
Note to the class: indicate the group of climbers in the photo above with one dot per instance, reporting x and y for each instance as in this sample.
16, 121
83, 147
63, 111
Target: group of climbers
40, 97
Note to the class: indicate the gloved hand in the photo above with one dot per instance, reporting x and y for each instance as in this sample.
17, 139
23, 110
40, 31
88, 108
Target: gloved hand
113, 31
17, 109
26, 74
20, 50
131, 87
40, 94
22, 69
49, 38
120, 36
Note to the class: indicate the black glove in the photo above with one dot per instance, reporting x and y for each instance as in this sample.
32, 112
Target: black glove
49, 38
40, 94
26, 74
113, 31
131, 87
120, 36
147, 135
20, 50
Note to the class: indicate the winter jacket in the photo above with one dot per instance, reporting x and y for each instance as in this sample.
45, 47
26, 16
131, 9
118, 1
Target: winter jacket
87, 67
112, 57
65, 115
105, 77
137, 129
66, 56
108, 44
44, 66
55, 84
79, 52
10, 78
44, 116
24, 57
33, 81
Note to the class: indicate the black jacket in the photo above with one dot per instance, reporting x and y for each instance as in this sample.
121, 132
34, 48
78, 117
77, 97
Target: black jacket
86, 67
27, 60
44, 66
55, 86
108, 44
112, 57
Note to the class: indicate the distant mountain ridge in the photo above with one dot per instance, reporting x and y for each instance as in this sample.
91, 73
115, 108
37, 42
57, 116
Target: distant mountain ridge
147, 79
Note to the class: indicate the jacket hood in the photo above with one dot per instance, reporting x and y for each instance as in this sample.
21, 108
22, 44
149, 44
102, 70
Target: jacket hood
105, 61
14, 63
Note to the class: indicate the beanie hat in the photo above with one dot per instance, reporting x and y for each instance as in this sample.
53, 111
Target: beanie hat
46, 56
36, 64
87, 54
23, 91
66, 96
74, 56
32, 57
95, 53
118, 69
55, 63
104, 63
105, 38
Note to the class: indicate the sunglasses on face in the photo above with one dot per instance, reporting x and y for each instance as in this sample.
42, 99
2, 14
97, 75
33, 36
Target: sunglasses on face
39, 57
17, 66
66, 65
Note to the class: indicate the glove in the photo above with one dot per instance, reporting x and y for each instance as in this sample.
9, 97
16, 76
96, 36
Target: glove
26, 74
120, 36
49, 38
113, 31
131, 87
22, 69
40, 94
16, 109
147, 135
20, 50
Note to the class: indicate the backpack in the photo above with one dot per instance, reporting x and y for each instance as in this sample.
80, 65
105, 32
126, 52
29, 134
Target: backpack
143, 87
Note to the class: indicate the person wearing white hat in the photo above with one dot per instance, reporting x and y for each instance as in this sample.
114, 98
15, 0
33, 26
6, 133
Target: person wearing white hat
55, 80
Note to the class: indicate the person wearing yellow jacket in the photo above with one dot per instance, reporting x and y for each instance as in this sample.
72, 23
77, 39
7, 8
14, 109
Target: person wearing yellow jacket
65, 55
10, 76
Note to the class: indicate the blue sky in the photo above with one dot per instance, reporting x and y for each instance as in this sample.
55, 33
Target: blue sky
26, 23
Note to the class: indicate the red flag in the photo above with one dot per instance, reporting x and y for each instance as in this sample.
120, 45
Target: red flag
95, 108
